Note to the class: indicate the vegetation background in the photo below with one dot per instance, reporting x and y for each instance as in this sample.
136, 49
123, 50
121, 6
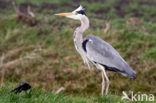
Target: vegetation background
39, 49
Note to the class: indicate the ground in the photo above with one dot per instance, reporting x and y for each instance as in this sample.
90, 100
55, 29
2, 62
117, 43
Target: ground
41, 52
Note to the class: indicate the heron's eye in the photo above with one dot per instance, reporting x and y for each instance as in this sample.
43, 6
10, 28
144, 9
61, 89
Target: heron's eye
81, 12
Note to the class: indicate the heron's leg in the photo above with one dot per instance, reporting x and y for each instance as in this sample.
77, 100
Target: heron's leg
103, 83
103, 77
104, 72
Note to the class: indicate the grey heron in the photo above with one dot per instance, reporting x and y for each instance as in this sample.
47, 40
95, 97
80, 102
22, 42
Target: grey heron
96, 51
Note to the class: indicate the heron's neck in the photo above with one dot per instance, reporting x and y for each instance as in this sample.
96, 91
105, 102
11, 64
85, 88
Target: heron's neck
78, 38
84, 25
78, 35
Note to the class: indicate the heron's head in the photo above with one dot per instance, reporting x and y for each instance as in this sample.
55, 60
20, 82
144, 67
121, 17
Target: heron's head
77, 14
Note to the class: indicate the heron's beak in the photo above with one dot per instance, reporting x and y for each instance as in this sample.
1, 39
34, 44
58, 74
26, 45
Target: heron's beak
68, 15
65, 14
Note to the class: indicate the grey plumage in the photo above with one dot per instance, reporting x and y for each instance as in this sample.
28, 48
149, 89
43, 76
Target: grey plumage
103, 53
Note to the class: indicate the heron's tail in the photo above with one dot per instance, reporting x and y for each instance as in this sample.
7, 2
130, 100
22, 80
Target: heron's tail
130, 73
132, 76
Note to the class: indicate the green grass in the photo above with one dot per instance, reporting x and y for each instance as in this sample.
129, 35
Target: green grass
44, 54
40, 96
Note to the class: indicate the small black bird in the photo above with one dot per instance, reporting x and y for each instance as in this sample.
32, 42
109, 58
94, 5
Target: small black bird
21, 87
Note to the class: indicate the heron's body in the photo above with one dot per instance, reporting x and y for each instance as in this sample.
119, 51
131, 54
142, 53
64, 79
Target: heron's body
112, 61
96, 51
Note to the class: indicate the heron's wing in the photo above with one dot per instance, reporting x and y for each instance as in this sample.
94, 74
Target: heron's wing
103, 53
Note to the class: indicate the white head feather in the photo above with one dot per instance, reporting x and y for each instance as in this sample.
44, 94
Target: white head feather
78, 9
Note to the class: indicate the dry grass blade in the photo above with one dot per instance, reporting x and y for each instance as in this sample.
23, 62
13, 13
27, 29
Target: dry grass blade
59, 90
19, 61
16, 8
2, 71
133, 21
14, 52
107, 28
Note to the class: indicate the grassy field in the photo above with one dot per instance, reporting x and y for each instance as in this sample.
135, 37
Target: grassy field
39, 96
43, 54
